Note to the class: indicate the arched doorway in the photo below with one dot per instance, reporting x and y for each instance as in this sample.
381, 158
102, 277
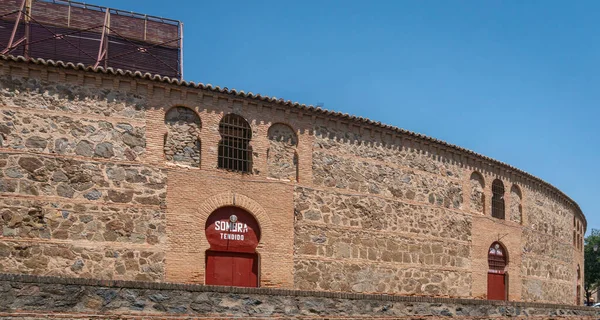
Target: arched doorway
233, 235
497, 272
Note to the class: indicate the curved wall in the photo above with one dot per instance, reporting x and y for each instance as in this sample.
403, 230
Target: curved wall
101, 179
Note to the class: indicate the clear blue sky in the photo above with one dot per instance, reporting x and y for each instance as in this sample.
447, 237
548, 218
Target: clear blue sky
518, 81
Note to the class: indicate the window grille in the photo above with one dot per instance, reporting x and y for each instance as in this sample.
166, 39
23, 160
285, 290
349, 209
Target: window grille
235, 152
496, 258
498, 199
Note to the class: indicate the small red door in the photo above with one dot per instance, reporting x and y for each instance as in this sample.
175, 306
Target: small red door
496, 286
231, 269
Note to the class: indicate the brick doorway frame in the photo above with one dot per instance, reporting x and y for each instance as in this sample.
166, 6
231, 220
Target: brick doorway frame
497, 277
252, 207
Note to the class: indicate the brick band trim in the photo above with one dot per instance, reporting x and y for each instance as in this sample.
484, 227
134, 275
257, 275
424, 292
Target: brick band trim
24, 278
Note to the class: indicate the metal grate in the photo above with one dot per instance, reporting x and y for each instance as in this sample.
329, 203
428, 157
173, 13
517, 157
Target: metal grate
496, 258
235, 152
498, 199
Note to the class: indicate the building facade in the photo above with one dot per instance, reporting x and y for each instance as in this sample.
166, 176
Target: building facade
119, 175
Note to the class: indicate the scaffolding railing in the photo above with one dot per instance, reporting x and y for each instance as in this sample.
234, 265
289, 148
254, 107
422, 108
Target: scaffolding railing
93, 35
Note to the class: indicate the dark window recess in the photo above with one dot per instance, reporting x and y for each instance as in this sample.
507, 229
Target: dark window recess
235, 152
498, 199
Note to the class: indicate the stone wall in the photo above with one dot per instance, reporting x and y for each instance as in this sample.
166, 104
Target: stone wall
340, 244
282, 160
76, 197
364, 212
42, 297
346, 141
356, 276
61, 216
548, 269
50, 219
182, 140
39, 175
385, 220
81, 260
382, 219
31, 93
368, 244
333, 171
39, 132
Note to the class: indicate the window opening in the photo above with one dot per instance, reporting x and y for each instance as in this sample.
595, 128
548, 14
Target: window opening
498, 199
235, 152
496, 258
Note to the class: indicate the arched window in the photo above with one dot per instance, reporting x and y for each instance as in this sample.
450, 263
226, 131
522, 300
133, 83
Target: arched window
182, 145
516, 206
497, 260
477, 194
498, 199
235, 152
578, 292
282, 160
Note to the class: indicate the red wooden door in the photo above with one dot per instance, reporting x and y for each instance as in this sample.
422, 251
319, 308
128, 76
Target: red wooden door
231, 269
496, 286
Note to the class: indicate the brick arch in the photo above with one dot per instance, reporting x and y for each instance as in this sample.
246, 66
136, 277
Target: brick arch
241, 201
169, 107
285, 126
504, 250
173, 107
